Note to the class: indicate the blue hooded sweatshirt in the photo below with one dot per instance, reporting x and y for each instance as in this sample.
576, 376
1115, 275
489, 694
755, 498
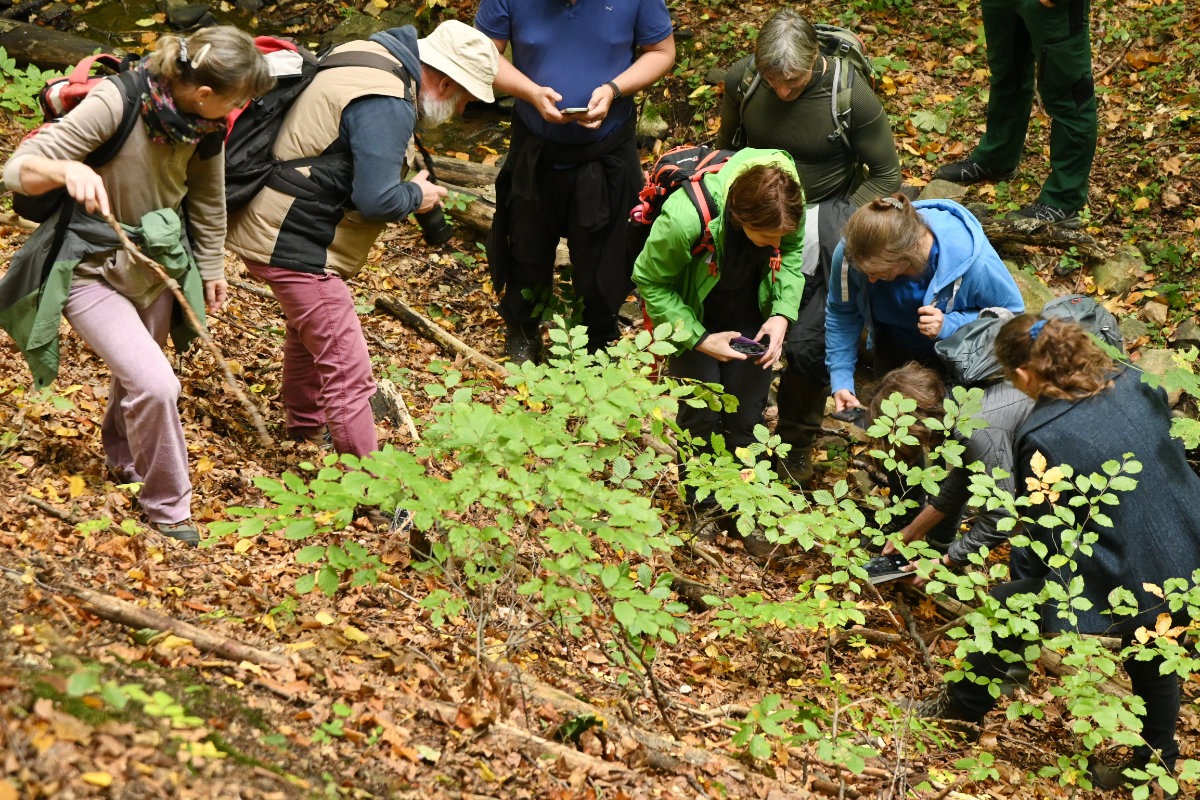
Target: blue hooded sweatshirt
968, 276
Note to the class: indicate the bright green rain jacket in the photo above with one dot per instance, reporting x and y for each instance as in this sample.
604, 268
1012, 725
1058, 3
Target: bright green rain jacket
674, 283
34, 291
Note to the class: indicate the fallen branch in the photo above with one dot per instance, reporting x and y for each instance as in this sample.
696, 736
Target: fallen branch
1036, 232
246, 286
201, 331
1113, 64
54, 511
119, 611
434, 332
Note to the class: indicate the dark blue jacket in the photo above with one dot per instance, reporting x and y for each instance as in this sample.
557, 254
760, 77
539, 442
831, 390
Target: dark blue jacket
1155, 533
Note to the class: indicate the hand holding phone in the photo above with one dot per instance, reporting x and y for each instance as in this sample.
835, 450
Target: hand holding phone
575, 110
747, 346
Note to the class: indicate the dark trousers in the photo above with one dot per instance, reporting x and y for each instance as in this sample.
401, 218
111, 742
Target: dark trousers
804, 384
1027, 41
1160, 693
745, 380
601, 270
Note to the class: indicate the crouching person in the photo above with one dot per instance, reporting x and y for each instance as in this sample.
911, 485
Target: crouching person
748, 287
1089, 410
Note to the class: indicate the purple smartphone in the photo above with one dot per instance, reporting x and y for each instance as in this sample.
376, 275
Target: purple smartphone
747, 346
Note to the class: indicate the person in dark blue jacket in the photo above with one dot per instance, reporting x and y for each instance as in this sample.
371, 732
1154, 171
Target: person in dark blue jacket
1088, 411
912, 273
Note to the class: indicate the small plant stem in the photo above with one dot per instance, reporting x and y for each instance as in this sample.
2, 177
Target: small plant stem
201, 331
911, 627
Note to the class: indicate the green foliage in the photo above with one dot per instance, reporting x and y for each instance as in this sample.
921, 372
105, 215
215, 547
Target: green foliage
1181, 377
20, 87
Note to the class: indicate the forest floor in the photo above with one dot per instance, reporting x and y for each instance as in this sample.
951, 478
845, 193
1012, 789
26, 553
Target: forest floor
365, 696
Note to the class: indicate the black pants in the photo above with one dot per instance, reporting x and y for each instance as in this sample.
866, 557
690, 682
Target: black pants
804, 384
601, 268
745, 380
1159, 692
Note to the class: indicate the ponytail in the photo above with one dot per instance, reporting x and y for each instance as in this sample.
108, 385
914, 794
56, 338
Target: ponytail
884, 234
1060, 354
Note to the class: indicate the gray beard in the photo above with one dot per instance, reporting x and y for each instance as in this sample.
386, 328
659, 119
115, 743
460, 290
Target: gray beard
435, 111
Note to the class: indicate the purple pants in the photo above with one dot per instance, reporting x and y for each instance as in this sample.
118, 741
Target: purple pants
142, 433
326, 366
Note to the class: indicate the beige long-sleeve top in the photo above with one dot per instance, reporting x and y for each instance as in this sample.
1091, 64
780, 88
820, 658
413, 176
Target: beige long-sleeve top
144, 176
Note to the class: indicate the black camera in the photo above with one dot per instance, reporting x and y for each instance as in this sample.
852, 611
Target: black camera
435, 230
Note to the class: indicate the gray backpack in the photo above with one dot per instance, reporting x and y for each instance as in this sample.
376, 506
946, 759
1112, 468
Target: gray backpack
969, 355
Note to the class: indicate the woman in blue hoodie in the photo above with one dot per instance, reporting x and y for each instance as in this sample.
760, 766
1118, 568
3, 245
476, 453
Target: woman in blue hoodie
913, 273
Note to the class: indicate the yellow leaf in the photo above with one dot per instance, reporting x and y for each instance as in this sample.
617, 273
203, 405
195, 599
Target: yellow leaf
1162, 624
701, 89
1053, 476
380, 3
173, 642
1038, 463
943, 98
324, 617
1141, 204
268, 622
144, 23
76, 486
242, 546
355, 635
97, 778
1152, 589
7, 791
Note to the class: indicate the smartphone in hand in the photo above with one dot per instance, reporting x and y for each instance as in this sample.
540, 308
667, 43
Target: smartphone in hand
574, 110
747, 346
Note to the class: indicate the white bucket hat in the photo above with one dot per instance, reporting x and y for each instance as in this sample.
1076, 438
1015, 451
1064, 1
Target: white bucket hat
464, 54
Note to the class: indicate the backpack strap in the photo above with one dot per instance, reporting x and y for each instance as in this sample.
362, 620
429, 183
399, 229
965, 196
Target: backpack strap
746, 87
132, 84
839, 101
706, 207
374, 61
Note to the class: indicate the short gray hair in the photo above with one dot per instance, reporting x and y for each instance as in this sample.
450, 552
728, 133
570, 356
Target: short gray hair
787, 45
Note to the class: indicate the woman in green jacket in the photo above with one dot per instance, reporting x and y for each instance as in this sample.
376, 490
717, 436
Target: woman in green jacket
747, 287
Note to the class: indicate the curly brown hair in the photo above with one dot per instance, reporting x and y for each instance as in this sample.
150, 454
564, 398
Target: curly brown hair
766, 198
884, 234
918, 383
1062, 358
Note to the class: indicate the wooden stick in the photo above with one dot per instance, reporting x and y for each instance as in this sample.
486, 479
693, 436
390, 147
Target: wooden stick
137, 255
252, 289
434, 332
1036, 232
54, 511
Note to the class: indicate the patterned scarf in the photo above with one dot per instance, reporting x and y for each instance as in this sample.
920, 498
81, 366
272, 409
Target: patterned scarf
165, 124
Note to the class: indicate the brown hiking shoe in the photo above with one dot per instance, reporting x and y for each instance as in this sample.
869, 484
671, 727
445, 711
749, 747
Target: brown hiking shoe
942, 706
184, 532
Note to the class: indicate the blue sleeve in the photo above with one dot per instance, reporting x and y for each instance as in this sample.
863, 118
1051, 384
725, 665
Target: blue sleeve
493, 20
843, 325
988, 285
653, 22
378, 129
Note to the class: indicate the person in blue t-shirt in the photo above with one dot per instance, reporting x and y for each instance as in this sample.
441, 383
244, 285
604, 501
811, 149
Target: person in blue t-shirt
920, 270
573, 167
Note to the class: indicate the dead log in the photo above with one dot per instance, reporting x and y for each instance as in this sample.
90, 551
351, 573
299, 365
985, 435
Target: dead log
434, 332
46, 47
476, 214
1035, 232
463, 173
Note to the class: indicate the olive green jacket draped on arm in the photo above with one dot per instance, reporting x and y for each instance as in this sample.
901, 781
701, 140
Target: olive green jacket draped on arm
33, 292
674, 283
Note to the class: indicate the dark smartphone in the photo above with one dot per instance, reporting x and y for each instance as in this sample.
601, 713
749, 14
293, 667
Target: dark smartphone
747, 346
855, 416
886, 568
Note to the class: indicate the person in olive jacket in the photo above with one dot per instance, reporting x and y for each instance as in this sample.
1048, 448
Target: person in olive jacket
749, 286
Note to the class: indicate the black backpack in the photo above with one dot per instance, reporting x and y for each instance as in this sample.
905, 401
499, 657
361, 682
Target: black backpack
682, 166
847, 54
969, 353
58, 97
249, 160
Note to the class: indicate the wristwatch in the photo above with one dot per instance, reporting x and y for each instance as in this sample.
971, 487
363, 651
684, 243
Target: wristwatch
616, 89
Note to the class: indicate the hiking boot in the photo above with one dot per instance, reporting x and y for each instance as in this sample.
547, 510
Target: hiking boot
184, 532
797, 467
1044, 213
520, 347
317, 437
757, 545
943, 706
967, 172
1112, 776
398, 520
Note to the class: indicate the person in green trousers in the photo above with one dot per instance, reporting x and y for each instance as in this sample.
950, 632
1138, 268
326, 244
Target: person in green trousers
1047, 42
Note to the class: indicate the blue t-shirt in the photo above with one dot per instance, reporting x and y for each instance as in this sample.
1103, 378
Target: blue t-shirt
894, 307
574, 48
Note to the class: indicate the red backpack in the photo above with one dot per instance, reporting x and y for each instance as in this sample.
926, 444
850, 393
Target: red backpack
682, 166
59, 96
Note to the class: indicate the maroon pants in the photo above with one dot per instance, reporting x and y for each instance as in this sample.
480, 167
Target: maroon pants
326, 366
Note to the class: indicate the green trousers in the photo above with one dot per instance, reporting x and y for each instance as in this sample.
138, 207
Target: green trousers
1027, 40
